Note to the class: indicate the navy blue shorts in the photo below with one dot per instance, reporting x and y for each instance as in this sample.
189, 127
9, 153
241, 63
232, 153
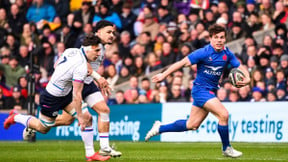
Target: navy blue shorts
201, 95
89, 89
50, 105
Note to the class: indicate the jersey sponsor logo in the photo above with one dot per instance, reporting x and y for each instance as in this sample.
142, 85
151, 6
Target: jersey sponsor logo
213, 70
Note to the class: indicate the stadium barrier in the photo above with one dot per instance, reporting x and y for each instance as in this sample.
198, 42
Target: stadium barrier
248, 122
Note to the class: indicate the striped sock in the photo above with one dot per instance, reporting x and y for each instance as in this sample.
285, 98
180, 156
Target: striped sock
22, 119
104, 140
87, 138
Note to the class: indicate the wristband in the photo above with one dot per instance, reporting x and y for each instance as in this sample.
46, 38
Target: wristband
95, 75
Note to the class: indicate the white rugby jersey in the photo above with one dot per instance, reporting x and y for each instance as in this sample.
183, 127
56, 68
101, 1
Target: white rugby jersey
71, 66
96, 64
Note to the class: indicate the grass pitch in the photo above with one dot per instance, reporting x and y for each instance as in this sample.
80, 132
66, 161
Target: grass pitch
72, 151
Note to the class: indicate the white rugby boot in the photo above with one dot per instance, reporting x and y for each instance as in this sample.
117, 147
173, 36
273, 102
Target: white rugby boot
108, 151
231, 152
153, 131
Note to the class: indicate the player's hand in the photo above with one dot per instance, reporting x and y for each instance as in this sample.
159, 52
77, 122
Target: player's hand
82, 122
158, 78
102, 82
245, 81
106, 90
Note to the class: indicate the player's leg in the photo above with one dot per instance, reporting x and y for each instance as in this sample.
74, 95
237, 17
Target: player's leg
98, 104
217, 108
41, 125
197, 115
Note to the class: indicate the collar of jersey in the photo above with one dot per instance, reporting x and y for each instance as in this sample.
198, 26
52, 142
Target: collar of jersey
83, 52
215, 50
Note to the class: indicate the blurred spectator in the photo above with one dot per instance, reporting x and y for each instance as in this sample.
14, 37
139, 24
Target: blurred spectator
16, 19
62, 8
127, 19
271, 96
153, 63
82, 17
281, 94
112, 75
222, 95
284, 64
15, 100
39, 10
12, 43
23, 56
123, 76
233, 96
257, 95
236, 32
279, 15
150, 25
185, 50
124, 44
266, 8
168, 56
244, 94
106, 14
253, 23
266, 22
12, 71
3, 19
119, 97
60, 50
176, 94
280, 79
145, 86
145, 40
256, 76
22, 85
46, 54
139, 66
164, 15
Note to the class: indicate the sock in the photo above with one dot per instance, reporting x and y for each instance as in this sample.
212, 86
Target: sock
224, 134
22, 119
104, 140
87, 138
177, 126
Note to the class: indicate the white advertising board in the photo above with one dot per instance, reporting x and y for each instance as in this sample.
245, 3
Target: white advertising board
248, 122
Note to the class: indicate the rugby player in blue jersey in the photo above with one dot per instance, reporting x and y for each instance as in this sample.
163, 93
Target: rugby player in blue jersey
211, 60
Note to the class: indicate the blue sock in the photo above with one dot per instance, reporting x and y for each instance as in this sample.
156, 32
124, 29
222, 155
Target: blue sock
177, 126
224, 134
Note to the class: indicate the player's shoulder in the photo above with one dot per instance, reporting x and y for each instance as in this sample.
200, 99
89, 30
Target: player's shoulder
227, 50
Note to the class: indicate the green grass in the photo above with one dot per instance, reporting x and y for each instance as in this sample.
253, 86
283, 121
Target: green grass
72, 151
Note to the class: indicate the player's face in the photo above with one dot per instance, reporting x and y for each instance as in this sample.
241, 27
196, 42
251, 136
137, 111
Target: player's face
93, 53
106, 34
218, 40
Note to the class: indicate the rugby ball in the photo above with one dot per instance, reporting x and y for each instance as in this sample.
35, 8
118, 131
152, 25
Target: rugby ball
235, 75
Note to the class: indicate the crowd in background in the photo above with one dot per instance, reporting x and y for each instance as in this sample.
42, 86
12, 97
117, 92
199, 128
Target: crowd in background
151, 34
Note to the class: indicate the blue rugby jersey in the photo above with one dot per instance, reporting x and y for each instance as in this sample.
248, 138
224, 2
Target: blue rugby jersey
210, 65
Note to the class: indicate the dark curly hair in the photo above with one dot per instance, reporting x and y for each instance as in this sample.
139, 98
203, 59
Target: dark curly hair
91, 39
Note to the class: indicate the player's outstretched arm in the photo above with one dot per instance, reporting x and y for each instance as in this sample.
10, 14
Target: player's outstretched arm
161, 76
246, 79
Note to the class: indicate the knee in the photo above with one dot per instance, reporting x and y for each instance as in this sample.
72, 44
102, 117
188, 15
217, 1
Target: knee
88, 116
224, 116
104, 109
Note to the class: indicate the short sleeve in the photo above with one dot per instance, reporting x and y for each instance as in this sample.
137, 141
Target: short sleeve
196, 56
80, 73
233, 61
